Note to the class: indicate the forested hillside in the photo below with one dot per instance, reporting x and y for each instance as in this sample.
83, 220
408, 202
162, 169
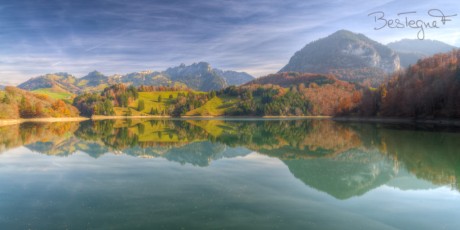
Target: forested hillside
123, 100
324, 94
428, 89
16, 103
284, 94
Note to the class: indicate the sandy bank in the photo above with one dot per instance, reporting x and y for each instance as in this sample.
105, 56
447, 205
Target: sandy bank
4, 122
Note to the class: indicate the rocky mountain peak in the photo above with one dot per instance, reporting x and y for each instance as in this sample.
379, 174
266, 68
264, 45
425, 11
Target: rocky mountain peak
343, 50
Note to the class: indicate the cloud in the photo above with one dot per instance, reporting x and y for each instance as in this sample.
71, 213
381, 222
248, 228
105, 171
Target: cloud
257, 36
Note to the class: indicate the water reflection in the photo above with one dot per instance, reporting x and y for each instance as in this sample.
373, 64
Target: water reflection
343, 160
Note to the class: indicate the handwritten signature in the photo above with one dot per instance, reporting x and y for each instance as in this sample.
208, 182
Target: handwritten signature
439, 20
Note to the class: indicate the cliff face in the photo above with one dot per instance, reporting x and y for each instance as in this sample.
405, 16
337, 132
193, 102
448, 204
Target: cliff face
365, 54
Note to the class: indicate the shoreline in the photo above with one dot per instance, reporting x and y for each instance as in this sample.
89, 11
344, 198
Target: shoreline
101, 117
395, 120
386, 120
446, 122
5, 122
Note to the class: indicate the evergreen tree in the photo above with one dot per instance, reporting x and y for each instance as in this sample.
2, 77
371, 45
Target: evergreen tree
213, 94
6, 99
140, 105
124, 100
108, 108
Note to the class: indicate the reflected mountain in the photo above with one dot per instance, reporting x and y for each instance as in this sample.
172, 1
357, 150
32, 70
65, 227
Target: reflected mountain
351, 173
340, 159
196, 153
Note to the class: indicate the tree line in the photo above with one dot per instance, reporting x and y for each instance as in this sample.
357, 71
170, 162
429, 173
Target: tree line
429, 89
17, 103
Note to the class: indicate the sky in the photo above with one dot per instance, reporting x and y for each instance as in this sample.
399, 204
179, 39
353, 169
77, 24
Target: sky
255, 36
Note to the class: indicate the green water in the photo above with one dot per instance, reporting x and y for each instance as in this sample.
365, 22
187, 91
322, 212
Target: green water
228, 174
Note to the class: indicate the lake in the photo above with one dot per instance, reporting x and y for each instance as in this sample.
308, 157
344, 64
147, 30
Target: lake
228, 174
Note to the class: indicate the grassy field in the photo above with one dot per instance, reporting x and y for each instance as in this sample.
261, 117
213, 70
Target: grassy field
157, 131
214, 107
54, 94
213, 127
150, 101
217, 106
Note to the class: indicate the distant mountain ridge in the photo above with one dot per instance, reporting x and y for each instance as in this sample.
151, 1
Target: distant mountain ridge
351, 56
348, 56
198, 76
61, 80
411, 50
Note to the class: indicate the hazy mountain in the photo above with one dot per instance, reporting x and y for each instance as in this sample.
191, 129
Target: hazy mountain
144, 78
198, 76
411, 50
349, 55
233, 77
93, 79
62, 81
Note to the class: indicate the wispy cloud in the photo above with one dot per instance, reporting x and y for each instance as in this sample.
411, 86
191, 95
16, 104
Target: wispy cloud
257, 36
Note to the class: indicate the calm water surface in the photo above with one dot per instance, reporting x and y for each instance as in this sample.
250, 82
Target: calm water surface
228, 174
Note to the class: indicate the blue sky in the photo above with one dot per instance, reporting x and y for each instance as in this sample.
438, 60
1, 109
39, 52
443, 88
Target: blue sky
256, 36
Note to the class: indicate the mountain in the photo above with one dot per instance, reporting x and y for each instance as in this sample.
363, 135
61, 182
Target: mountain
411, 50
233, 77
198, 76
58, 81
201, 76
58, 84
93, 79
351, 56
144, 78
